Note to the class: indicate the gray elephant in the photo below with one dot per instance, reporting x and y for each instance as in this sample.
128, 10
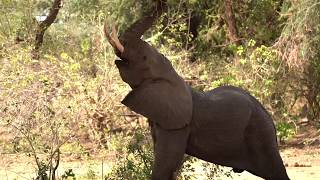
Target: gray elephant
226, 125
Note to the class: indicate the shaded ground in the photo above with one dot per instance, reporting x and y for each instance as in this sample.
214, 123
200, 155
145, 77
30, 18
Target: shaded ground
301, 156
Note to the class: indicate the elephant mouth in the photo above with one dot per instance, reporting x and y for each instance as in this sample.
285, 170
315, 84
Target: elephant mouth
121, 62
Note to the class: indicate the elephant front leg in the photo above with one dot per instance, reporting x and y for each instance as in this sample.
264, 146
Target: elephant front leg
170, 146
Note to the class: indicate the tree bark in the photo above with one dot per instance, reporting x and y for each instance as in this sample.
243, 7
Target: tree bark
231, 22
43, 26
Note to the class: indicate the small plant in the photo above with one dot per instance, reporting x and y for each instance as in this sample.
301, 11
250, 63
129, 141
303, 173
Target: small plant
136, 162
194, 168
68, 174
284, 131
91, 174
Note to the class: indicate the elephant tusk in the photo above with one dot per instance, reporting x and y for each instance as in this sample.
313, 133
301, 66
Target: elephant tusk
112, 37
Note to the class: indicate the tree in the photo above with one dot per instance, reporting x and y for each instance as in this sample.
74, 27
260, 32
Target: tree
231, 22
299, 48
44, 25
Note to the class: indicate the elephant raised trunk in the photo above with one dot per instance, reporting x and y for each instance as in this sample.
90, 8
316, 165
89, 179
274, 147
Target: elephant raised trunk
137, 29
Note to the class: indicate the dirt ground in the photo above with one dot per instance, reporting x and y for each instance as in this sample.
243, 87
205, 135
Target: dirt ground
301, 156
302, 164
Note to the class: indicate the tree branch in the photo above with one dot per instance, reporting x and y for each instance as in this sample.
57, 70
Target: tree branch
43, 26
231, 22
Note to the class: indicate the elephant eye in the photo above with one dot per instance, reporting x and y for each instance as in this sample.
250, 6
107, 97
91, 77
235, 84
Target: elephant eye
144, 58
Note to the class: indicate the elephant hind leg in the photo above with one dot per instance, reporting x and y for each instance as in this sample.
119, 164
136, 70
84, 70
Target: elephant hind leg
276, 166
269, 166
266, 161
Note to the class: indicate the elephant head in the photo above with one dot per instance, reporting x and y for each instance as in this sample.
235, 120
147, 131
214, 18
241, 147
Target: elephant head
158, 92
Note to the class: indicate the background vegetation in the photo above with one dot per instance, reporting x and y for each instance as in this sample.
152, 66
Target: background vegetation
63, 96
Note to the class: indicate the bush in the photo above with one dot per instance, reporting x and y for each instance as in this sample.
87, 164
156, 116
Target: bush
135, 158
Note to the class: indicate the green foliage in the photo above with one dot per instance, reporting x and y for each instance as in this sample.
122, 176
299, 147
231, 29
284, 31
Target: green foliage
255, 19
257, 70
69, 175
284, 131
56, 100
194, 168
70, 98
299, 49
259, 20
91, 174
135, 160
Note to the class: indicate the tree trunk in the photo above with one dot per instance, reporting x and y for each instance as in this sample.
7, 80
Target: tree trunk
43, 26
232, 27
231, 22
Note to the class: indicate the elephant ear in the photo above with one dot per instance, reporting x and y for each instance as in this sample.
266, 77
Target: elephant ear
168, 105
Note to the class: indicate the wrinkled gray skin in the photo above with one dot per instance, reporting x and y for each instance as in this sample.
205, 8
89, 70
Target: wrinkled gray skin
226, 126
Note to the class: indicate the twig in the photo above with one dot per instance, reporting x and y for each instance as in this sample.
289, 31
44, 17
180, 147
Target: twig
102, 169
30, 143
56, 166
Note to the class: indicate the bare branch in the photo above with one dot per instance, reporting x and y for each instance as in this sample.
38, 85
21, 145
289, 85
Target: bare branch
34, 153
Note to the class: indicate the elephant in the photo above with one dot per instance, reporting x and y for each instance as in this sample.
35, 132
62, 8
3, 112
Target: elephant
225, 126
